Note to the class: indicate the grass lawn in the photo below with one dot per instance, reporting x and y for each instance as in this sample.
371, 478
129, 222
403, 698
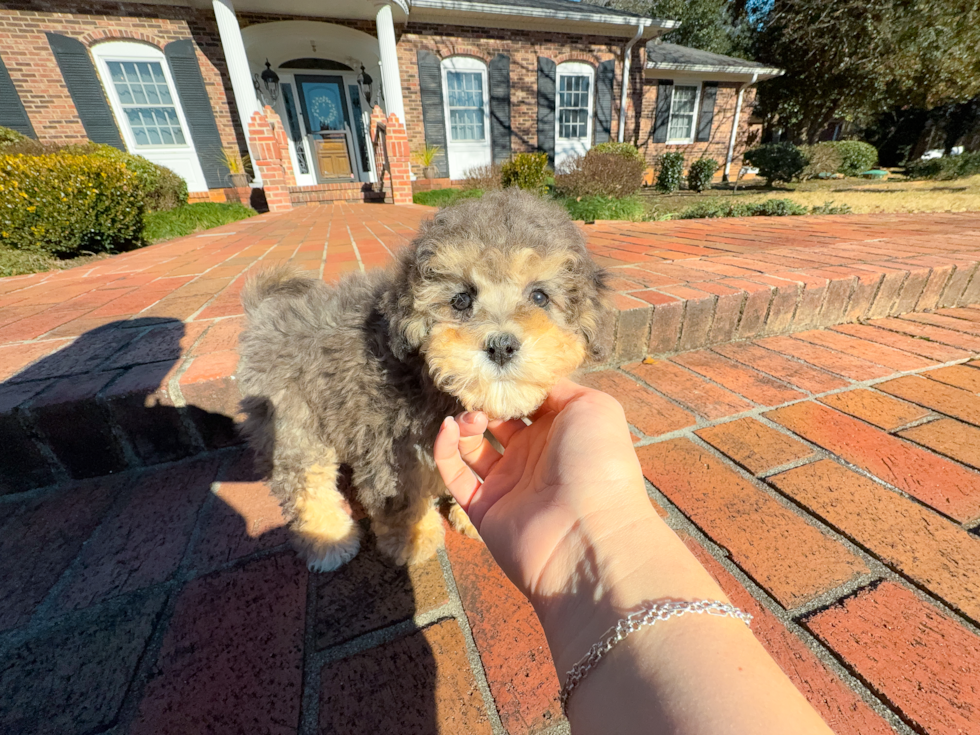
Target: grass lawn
160, 226
192, 218
861, 195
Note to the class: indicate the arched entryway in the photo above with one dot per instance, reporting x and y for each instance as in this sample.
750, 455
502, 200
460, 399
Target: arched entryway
322, 99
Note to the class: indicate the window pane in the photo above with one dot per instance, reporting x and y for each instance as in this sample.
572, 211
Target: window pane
465, 100
573, 106
147, 102
684, 99
682, 110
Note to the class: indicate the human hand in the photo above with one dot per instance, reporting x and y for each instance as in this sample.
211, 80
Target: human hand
564, 483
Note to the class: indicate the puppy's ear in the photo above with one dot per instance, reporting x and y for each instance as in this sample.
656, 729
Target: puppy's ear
406, 327
597, 319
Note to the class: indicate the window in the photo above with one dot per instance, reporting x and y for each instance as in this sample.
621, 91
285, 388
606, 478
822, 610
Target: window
573, 106
466, 105
147, 104
683, 108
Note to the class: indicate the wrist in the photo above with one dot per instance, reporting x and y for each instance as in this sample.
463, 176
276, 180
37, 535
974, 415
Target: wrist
613, 568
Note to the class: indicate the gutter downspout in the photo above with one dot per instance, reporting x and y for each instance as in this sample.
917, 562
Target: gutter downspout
738, 111
627, 59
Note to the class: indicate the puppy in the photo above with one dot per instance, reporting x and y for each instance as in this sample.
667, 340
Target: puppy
494, 301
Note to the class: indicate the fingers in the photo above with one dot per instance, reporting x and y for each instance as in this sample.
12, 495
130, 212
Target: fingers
459, 478
474, 449
504, 431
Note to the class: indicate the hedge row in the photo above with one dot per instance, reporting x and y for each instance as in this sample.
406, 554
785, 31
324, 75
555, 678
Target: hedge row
785, 161
66, 204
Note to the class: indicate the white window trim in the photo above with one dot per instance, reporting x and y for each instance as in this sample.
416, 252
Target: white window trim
575, 69
697, 110
180, 158
131, 51
466, 64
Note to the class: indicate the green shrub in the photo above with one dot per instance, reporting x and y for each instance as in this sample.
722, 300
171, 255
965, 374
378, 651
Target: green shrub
856, 156
626, 150
718, 208
65, 204
600, 175
777, 161
700, 173
9, 135
670, 170
526, 171
822, 159
162, 188
945, 168
484, 178
593, 208
830, 208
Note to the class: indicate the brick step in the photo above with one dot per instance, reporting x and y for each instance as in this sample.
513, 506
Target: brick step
668, 308
344, 191
142, 392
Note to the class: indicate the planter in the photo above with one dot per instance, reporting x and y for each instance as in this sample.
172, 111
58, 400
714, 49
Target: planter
239, 180
430, 172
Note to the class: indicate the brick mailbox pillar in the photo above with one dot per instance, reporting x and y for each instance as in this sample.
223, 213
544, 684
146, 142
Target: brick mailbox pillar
270, 149
396, 137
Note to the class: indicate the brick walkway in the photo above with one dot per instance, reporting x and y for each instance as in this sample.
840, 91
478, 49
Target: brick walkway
827, 477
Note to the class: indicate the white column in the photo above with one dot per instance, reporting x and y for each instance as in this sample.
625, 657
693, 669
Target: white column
241, 77
390, 77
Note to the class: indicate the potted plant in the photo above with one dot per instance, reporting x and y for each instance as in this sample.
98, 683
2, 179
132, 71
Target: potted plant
426, 158
236, 167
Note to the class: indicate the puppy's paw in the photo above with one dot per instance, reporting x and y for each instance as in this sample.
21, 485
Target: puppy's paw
328, 552
461, 522
415, 544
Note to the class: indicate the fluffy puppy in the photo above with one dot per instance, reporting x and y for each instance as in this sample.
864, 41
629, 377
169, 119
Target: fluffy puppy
494, 301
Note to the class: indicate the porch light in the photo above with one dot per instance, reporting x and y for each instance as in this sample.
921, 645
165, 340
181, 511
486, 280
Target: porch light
270, 80
365, 81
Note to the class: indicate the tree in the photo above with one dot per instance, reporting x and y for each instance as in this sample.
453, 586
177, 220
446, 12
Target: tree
705, 24
858, 58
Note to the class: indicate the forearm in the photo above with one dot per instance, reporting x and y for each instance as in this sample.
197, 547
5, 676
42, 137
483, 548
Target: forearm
690, 674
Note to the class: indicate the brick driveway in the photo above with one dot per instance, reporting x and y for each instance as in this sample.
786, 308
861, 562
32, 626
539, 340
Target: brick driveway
808, 424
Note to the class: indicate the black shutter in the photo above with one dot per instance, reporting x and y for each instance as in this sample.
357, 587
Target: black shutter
86, 91
433, 111
603, 101
547, 73
708, 94
12, 112
500, 107
197, 111
664, 89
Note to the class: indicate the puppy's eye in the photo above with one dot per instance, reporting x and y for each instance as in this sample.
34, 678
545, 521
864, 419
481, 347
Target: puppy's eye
539, 297
461, 301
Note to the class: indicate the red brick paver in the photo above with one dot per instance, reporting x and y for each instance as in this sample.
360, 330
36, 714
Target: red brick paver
826, 473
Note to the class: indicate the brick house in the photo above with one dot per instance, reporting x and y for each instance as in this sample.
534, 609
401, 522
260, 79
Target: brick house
304, 86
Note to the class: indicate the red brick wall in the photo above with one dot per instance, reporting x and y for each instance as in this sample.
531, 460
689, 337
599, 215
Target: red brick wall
523, 47
36, 75
721, 128
35, 71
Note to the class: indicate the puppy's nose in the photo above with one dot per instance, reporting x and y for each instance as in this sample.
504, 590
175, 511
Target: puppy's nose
502, 347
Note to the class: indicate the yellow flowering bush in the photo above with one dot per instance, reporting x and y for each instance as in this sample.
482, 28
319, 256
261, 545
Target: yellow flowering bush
65, 203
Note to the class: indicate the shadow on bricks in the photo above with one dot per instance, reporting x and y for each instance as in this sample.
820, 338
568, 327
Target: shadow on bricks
168, 600
102, 404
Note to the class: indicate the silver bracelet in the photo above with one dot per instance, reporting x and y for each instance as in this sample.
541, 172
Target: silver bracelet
650, 614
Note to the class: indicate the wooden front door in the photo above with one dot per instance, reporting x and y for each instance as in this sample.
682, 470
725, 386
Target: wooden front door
324, 106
